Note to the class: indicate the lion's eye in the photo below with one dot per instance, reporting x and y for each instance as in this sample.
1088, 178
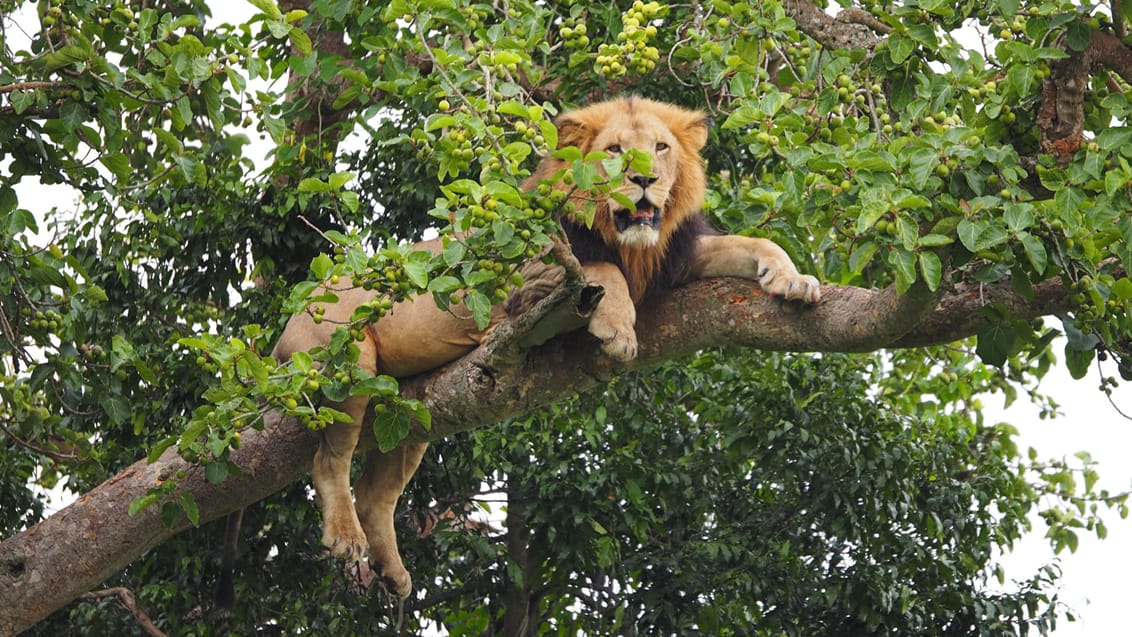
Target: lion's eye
661, 147
613, 149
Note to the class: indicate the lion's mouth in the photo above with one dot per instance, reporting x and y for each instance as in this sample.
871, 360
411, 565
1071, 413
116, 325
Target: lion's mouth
646, 214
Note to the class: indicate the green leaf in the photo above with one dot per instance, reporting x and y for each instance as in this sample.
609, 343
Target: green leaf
869, 160
139, 503
443, 284
390, 426
932, 269
1114, 138
381, 385
8, 202
302, 361
189, 506
216, 472
900, 48
1078, 361
514, 108
321, 266
313, 184
1008, 7
337, 180
121, 352
72, 115
159, 448
395, 10
1035, 252
980, 235
268, 7
996, 343
1018, 217
549, 132
118, 164
300, 40
1122, 289
417, 267
1078, 35
420, 412
921, 165
934, 240
480, 307
905, 264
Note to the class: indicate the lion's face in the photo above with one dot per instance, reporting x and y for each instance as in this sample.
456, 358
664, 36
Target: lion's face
674, 187
646, 134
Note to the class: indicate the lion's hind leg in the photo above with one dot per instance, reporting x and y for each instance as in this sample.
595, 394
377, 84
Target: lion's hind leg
377, 491
342, 533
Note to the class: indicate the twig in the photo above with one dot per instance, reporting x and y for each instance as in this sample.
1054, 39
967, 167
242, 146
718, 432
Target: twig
54, 455
30, 86
126, 598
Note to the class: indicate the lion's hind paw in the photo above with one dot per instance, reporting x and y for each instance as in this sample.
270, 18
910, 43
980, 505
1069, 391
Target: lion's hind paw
397, 582
346, 547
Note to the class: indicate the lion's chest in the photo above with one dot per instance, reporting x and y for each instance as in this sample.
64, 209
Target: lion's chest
666, 265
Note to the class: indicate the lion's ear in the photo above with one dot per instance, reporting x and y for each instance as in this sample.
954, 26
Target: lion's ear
572, 132
695, 131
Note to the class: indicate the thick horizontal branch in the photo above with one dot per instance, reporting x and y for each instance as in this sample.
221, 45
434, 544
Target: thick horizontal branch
958, 314
73, 551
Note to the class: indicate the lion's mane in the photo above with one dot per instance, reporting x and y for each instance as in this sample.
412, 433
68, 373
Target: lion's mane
666, 263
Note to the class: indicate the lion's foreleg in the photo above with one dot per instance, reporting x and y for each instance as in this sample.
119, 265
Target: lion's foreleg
378, 490
754, 258
615, 317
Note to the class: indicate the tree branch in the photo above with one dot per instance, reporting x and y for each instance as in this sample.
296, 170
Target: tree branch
74, 550
126, 598
833, 32
1061, 116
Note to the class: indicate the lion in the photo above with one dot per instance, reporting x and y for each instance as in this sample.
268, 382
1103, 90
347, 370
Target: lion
662, 242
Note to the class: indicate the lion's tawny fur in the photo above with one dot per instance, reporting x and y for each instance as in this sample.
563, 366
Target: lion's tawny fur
663, 242
594, 127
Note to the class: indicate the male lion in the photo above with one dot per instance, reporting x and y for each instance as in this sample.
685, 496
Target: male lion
661, 243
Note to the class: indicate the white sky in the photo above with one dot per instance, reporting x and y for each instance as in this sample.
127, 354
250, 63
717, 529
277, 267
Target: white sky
1098, 577
1096, 580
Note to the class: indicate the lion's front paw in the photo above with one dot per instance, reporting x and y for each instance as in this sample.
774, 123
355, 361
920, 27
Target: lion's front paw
781, 279
345, 541
618, 339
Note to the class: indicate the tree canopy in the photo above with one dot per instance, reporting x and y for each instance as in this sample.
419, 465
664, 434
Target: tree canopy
958, 175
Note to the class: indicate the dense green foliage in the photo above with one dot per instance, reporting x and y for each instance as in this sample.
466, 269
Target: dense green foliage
735, 493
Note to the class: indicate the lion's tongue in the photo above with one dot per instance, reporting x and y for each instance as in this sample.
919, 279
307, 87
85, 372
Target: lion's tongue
643, 213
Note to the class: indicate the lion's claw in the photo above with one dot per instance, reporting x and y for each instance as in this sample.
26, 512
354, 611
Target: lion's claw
786, 283
349, 547
618, 341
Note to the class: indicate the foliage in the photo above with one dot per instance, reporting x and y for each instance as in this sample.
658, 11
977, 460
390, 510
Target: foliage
729, 491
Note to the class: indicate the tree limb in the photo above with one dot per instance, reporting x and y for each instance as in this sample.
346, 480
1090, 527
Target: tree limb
1061, 116
833, 32
126, 598
45, 567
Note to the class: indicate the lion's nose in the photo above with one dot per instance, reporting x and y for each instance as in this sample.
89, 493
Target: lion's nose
642, 181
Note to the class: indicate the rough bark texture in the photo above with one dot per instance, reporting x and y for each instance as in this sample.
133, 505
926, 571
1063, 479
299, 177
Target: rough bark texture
848, 31
76, 549
1061, 117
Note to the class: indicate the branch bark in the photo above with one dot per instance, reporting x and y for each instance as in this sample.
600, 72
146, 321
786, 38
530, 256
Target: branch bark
74, 550
1061, 117
848, 30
